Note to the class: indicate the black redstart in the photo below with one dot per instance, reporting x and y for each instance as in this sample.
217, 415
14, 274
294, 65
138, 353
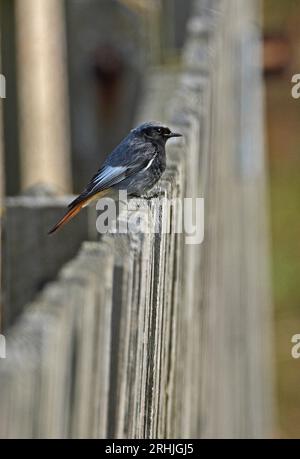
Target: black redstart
135, 165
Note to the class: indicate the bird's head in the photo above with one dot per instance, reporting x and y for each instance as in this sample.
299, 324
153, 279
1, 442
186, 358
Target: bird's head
155, 132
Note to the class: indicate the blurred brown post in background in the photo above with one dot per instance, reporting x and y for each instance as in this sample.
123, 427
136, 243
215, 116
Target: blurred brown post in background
41, 59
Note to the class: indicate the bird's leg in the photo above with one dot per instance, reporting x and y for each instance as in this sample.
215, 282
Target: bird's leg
148, 197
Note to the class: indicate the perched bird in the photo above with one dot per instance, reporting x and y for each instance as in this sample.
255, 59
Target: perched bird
135, 165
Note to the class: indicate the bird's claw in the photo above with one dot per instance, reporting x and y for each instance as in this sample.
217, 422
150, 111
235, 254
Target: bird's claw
158, 194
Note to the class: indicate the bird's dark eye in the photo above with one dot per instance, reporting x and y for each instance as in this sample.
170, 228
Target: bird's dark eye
159, 130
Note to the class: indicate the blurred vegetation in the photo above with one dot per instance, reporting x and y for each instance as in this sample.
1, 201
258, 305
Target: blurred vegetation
283, 133
278, 12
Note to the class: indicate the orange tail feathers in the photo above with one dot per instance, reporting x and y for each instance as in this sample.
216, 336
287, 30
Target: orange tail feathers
69, 215
75, 210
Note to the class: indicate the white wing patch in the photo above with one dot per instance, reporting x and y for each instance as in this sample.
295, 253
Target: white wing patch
108, 174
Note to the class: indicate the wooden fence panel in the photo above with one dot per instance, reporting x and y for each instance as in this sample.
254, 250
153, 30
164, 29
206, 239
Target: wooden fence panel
146, 336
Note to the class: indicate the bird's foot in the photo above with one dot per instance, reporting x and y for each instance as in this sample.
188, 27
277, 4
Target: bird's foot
148, 197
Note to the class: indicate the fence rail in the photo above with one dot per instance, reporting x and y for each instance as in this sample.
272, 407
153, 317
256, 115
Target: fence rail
143, 335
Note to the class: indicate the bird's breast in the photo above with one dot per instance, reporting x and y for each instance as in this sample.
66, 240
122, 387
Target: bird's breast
157, 164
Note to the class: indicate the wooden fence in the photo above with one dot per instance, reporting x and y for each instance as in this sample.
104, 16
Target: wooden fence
144, 335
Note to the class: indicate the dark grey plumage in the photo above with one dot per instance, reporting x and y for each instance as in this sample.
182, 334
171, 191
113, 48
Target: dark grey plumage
135, 165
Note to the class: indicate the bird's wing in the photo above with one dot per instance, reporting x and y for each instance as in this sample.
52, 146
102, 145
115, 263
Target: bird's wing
108, 176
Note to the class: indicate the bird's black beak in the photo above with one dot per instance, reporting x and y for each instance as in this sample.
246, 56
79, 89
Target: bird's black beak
173, 134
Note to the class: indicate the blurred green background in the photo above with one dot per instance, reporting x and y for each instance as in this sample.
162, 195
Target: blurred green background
282, 60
